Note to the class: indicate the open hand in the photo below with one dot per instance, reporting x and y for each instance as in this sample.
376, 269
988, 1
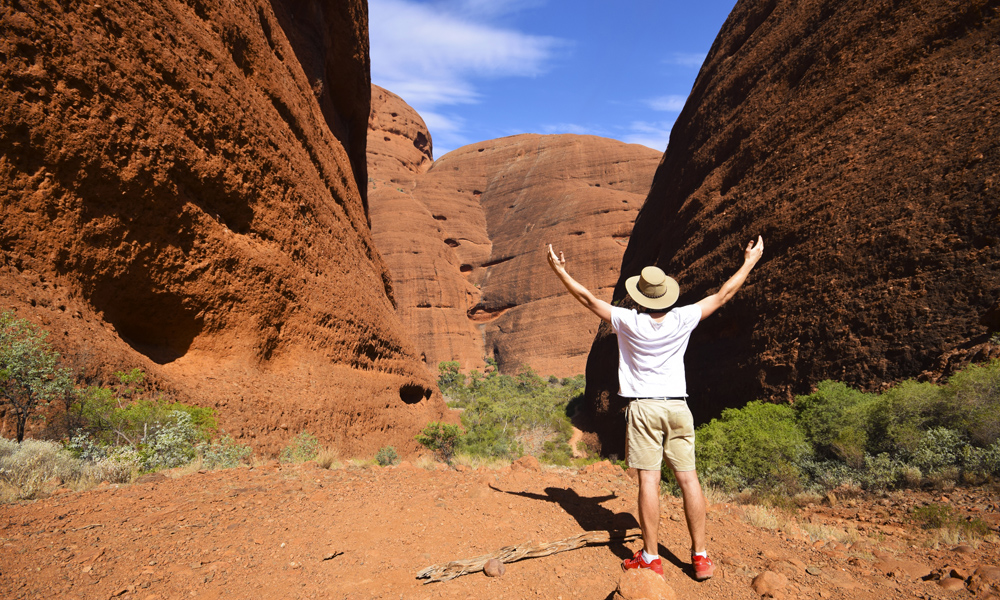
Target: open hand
754, 251
558, 263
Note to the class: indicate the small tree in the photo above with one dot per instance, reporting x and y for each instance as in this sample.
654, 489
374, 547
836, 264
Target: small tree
29, 375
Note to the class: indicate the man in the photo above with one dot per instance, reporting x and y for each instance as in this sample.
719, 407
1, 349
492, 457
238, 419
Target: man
651, 347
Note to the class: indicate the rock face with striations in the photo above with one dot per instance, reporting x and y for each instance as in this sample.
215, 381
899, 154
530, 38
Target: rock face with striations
182, 189
862, 140
465, 237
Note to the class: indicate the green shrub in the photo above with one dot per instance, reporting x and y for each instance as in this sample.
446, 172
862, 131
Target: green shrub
899, 417
881, 472
304, 447
940, 447
973, 403
121, 415
223, 454
835, 419
942, 516
442, 438
761, 441
506, 416
387, 456
30, 377
981, 464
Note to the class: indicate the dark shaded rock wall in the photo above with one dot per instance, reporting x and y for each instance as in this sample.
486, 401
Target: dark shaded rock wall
862, 140
179, 191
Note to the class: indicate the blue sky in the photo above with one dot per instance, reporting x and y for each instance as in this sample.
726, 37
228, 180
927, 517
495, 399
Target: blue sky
482, 69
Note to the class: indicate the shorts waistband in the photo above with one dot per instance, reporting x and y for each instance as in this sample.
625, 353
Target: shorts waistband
661, 398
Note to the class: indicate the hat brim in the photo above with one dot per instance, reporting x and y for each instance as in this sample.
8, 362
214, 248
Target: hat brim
665, 301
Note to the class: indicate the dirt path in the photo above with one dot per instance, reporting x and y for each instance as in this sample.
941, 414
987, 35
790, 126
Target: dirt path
304, 532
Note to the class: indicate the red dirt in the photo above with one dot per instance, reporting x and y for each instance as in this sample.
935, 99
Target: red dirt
304, 532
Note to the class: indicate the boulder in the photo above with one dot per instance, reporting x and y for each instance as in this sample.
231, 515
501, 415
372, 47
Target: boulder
769, 584
643, 584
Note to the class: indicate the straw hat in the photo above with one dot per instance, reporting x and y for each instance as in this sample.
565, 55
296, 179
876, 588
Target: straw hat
653, 289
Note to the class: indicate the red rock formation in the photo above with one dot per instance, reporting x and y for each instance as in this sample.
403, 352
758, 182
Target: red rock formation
177, 192
465, 238
861, 140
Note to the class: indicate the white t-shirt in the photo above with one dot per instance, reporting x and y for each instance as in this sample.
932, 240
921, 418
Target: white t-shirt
651, 354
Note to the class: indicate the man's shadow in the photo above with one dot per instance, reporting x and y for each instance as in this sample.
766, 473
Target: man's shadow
591, 516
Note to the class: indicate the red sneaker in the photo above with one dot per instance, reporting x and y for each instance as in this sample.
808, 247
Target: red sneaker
703, 567
636, 562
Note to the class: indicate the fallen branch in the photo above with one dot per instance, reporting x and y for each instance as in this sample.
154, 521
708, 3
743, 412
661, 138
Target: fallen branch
529, 549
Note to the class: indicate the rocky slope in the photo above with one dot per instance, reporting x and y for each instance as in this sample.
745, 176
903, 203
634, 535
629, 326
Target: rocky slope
464, 237
861, 140
182, 189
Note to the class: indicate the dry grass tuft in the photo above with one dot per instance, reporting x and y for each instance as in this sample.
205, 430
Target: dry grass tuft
761, 516
35, 466
817, 532
329, 458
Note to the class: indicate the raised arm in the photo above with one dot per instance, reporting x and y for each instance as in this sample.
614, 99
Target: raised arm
751, 255
599, 307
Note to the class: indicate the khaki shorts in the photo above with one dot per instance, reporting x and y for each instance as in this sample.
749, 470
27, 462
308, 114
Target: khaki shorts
659, 430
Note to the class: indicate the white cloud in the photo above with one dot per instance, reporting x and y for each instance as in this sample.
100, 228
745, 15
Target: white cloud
489, 8
652, 135
431, 57
446, 132
670, 103
557, 128
686, 59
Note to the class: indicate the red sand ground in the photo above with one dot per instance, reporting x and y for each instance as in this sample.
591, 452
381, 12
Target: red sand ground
304, 532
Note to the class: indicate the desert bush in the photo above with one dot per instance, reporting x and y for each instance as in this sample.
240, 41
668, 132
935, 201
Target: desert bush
940, 447
981, 464
973, 403
942, 516
387, 456
835, 419
223, 454
450, 379
899, 417
26, 468
303, 447
761, 441
506, 416
30, 377
881, 472
114, 416
442, 438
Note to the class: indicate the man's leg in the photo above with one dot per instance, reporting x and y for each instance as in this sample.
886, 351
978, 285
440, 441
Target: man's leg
694, 507
649, 509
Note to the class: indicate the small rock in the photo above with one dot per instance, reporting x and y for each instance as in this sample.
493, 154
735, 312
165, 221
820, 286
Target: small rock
960, 574
963, 549
814, 570
951, 584
636, 584
989, 574
494, 568
769, 583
